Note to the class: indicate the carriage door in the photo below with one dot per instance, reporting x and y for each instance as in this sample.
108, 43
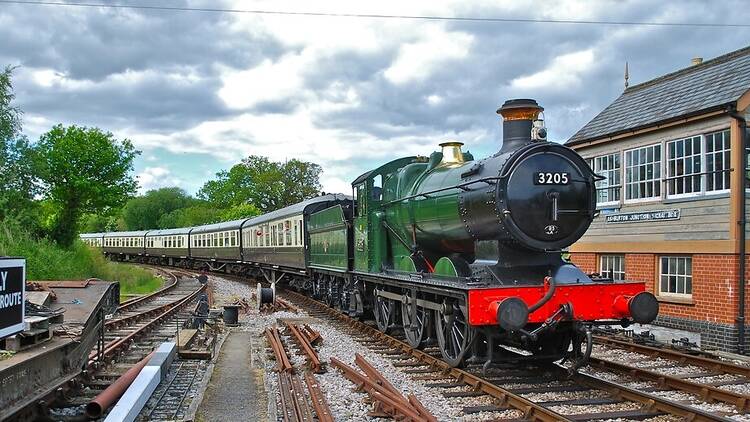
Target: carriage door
361, 261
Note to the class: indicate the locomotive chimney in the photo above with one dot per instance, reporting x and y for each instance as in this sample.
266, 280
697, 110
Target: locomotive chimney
518, 117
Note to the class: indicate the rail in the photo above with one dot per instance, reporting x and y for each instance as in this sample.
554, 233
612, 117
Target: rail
165, 311
130, 303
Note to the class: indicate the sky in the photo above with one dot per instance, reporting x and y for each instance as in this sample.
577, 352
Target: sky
198, 91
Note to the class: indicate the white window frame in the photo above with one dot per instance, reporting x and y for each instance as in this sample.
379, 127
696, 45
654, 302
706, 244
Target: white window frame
605, 263
657, 181
700, 173
596, 164
727, 165
676, 274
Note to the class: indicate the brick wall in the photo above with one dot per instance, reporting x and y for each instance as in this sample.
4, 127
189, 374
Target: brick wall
713, 309
585, 261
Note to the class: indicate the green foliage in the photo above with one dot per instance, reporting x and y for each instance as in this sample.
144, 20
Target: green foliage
195, 215
266, 184
237, 212
17, 187
97, 223
83, 170
46, 260
144, 212
10, 116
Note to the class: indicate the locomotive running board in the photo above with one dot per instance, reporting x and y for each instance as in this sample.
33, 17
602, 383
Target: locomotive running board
400, 298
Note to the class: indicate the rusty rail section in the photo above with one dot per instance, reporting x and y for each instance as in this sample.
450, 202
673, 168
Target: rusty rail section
313, 337
683, 358
282, 359
705, 392
286, 306
388, 401
313, 361
131, 303
167, 311
294, 406
318, 399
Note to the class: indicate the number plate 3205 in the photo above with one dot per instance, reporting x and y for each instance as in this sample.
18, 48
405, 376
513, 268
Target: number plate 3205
551, 178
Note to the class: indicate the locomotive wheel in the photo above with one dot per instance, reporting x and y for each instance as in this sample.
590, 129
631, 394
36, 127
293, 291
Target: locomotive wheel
384, 309
416, 332
454, 335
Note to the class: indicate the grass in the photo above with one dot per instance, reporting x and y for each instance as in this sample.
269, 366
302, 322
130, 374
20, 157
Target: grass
45, 260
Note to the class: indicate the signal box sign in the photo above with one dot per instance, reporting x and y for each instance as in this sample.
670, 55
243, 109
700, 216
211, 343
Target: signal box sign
12, 295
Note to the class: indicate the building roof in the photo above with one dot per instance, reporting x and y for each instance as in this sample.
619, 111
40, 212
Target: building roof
694, 90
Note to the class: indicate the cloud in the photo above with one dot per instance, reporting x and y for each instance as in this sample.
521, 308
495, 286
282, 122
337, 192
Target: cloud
197, 92
417, 60
564, 72
155, 178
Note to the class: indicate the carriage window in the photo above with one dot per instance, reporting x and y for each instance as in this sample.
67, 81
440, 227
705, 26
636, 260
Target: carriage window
288, 227
301, 227
296, 231
280, 233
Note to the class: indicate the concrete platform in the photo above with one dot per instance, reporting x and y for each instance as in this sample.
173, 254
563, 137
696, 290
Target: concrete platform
236, 391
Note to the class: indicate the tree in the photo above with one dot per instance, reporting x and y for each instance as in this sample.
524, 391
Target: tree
83, 170
10, 116
238, 212
17, 181
144, 212
263, 183
195, 215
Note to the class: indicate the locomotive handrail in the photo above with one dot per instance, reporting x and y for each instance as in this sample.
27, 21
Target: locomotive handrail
462, 186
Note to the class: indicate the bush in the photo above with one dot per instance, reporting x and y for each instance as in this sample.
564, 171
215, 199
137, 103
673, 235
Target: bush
45, 260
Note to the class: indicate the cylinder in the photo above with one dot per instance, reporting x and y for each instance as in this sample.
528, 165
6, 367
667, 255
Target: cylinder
231, 315
265, 295
95, 408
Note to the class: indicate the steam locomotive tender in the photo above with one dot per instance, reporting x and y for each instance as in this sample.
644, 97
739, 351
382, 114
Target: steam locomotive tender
453, 250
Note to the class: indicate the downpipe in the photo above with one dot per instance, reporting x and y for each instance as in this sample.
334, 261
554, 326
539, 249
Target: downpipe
742, 223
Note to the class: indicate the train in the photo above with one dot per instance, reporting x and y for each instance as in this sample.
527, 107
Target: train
465, 254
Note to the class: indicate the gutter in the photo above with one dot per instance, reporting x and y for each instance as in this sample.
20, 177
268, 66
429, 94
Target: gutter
732, 111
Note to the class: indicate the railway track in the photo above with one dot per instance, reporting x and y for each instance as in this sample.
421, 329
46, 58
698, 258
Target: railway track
542, 393
711, 380
130, 335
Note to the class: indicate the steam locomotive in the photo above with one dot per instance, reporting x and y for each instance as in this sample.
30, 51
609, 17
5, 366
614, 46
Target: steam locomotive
446, 249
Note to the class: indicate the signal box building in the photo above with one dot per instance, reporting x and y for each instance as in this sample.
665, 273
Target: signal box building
671, 154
